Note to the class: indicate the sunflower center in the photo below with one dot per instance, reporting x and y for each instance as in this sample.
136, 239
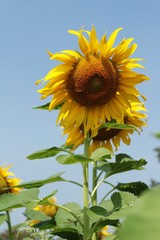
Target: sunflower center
104, 134
93, 82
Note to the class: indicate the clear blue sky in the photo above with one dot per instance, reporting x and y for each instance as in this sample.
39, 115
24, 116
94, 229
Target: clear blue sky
27, 29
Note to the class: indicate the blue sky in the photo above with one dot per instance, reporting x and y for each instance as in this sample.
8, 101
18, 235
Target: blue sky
28, 29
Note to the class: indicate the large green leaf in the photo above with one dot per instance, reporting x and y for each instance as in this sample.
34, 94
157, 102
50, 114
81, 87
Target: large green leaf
72, 159
101, 153
36, 215
119, 205
46, 153
10, 200
143, 222
65, 219
39, 183
133, 187
124, 165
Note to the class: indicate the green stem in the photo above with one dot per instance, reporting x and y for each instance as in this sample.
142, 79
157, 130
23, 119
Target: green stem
94, 183
9, 226
94, 198
96, 187
93, 230
108, 194
85, 190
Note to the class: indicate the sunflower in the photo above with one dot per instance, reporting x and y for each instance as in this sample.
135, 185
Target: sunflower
110, 138
95, 84
49, 209
7, 183
104, 233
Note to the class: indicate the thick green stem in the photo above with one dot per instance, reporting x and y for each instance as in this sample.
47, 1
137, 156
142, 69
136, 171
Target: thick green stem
9, 226
85, 190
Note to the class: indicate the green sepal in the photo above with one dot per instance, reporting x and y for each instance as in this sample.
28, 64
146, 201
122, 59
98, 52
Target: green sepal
114, 125
46, 107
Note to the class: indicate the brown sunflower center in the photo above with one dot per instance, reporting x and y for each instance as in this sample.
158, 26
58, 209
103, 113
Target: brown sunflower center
93, 82
104, 134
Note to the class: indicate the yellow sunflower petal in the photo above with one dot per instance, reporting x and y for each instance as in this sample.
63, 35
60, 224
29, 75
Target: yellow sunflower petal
83, 44
111, 41
94, 45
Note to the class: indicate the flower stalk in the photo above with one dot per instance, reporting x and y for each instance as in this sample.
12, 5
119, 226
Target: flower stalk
86, 190
9, 226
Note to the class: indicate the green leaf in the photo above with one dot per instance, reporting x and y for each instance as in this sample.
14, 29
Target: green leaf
72, 159
101, 153
124, 204
10, 200
39, 183
133, 187
3, 218
123, 166
116, 200
97, 212
66, 219
157, 135
46, 106
121, 157
67, 233
36, 215
46, 153
49, 224
114, 125
45, 199
143, 222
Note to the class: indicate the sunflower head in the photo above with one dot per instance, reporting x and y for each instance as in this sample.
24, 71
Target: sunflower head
104, 233
8, 181
49, 209
95, 84
109, 137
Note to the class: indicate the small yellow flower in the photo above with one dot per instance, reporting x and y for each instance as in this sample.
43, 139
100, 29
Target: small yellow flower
8, 181
104, 233
49, 210
95, 85
109, 138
